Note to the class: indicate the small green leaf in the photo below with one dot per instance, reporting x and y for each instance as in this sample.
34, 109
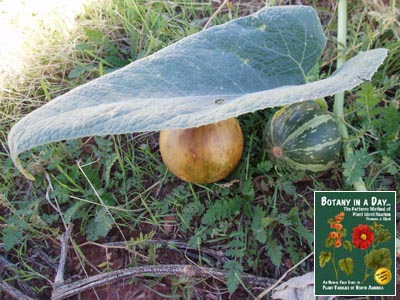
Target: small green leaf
329, 242
259, 231
293, 215
368, 99
189, 211
354, 166
71, 212
346, 265
275, 252
383, 235
348, 245
100, 225
390, 122
12, 235
50, 219
305, 233
108, 166
343, 232
313, 74
268, 221
264, 166
222, 209
248, 189
324, 258
375, 226
236, 248
233, 274
93, 35
331, 220
76, 72
390, 164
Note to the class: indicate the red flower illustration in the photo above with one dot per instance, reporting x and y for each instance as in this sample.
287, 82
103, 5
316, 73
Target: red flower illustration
362, 236
333, 235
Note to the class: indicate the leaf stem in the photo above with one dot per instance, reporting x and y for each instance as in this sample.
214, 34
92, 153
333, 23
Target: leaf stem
366, 275
359, 185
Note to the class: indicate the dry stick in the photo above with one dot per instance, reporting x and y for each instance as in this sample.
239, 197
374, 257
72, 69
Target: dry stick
215, 14
14, 269
270, 288
12, 291
64, 239
190, 271
56, 206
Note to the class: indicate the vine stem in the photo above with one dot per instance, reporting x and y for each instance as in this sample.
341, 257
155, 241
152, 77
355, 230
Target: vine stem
359, 184
12, 291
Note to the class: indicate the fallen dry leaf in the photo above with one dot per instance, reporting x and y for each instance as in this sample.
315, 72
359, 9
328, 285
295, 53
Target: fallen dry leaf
297, 288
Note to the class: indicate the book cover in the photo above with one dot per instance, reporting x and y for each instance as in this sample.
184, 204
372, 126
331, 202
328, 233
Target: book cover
355, 243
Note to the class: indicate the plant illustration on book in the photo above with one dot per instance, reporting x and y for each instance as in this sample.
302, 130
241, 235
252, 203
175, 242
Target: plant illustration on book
365, 238
376, 258
335, 240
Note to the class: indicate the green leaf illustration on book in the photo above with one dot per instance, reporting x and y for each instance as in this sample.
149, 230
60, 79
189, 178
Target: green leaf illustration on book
348, 245
324, 258
382, 235
378, 258
346, 265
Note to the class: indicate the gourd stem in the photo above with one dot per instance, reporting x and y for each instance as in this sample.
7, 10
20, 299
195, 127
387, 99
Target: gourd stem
359, 185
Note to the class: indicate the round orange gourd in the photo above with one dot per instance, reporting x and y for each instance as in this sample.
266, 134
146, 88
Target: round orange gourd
204, 154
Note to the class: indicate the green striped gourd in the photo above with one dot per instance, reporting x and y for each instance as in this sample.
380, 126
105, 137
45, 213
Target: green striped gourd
302, 136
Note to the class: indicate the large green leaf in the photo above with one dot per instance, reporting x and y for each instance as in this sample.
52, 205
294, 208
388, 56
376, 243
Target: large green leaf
239, 67
378, 258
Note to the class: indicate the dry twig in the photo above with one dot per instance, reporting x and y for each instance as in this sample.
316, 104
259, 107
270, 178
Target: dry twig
190, 271
215, 14
13, 269
64, 239
12, 291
